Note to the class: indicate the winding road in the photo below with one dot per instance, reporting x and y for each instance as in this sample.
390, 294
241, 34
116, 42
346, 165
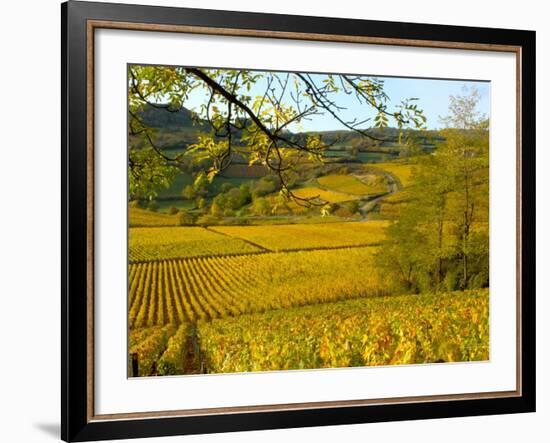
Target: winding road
370, 204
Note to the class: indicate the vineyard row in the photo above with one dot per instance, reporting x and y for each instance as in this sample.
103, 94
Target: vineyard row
188, 290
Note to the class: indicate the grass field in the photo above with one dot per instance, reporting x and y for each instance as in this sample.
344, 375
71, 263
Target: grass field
146, 244
351, 185
370, 157
177, 291
309, 236
402, 171
326, 195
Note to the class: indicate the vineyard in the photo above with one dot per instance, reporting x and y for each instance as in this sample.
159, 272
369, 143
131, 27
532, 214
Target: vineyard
142, 217
306, 236
167, 242
361, 332
188, 290
402, 171
237, 298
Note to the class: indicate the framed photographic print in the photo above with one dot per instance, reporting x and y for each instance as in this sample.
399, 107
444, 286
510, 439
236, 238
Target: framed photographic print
277, 221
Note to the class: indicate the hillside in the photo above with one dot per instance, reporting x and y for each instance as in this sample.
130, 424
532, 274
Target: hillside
176, 130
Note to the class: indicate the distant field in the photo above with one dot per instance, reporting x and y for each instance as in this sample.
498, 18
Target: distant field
329, 196
363, 332
308, 236
176, 291
373, 156
166, 242
143, 217
391, 206
180, 181
352, 185
403, 171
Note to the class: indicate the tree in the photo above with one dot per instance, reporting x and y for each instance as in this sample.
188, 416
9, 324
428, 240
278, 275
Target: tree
468, 165
201, 203
441, 237
188, 192
153, 206
463, 112
265, 185
352, 206
249, 113
185, 218
216, 210
261, 206
225, 187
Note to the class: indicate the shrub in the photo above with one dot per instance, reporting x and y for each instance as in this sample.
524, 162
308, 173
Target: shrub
265, 185
185, 218
261, 206
352, 206
201, 203
172, 210
153, 206
216, 209
225, 187
207, 220
188, 192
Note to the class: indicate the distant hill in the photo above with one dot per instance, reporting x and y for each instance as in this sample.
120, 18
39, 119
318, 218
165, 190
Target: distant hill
163, 119
181, 128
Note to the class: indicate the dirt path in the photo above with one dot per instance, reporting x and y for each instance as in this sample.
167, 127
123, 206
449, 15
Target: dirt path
192, 362
368, 202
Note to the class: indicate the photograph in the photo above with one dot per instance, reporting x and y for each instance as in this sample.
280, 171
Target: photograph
305, 220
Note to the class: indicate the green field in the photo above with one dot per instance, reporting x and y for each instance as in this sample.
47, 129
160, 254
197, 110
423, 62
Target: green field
350, 184
402, 171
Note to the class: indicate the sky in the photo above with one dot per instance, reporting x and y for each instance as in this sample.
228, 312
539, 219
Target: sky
433, 99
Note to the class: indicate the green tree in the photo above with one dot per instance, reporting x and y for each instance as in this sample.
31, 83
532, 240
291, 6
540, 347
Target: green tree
201, 203
153, 206
185, 218
441, 237
216, 210
467, 153
265, 185
188, 192
261, 206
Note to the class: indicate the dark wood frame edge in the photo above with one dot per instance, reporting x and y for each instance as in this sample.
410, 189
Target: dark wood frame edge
79, 19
